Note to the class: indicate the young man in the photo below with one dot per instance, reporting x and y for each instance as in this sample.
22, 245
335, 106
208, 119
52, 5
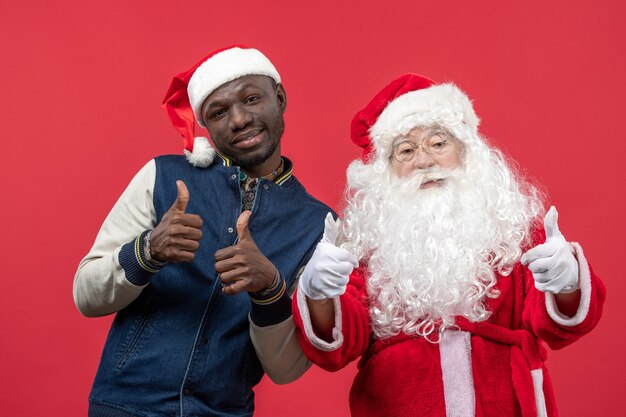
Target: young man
197, 246
456, 284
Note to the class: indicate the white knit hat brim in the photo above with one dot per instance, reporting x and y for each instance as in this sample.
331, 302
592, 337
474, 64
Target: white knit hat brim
443, 104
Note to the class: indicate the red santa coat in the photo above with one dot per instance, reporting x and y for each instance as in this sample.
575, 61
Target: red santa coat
492, 368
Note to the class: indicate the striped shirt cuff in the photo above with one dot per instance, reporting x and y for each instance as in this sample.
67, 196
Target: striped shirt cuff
137, 268
272, 305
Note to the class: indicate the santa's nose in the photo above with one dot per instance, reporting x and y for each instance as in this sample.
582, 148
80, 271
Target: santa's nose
422, 160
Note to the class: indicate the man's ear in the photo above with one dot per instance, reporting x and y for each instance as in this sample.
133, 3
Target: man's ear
281, 96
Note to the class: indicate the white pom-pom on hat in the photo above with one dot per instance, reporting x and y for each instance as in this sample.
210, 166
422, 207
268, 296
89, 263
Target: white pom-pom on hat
202, 154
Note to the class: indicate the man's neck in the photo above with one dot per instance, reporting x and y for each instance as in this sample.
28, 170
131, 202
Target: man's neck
267, 168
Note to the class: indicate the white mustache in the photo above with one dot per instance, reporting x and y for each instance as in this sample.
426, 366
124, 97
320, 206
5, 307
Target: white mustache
422, 176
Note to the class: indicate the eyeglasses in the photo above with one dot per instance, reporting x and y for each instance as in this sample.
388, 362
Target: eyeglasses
434, 144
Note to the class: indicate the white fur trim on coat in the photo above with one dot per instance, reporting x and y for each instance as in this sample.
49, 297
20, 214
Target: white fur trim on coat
540, 398
203, 153
443, 104
224, 67
455, 352
308, 327
584, 275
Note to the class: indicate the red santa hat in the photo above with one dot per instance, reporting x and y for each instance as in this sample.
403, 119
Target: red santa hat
188, 90
409, 101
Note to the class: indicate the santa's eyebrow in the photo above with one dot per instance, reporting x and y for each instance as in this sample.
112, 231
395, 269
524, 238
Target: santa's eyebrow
401, 140
439, 130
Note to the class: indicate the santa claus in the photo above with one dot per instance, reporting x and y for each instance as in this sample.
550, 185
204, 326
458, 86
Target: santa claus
446, 276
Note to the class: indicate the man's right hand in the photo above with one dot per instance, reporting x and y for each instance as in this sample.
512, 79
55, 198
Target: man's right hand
327, 272
175, 239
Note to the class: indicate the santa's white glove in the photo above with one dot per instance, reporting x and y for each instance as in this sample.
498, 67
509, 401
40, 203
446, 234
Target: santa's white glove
553, 264
327, 273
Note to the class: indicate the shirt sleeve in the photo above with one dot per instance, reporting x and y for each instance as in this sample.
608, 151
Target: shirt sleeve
352, 331
273, 335
279, 351
103, 284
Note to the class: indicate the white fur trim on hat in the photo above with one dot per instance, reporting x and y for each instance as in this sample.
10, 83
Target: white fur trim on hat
203, 153
224, 67
444, 104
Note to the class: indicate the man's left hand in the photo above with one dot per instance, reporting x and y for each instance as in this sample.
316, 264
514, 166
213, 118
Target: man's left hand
243, 267
553, 264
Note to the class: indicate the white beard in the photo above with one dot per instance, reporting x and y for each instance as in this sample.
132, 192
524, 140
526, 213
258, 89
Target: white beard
431, 253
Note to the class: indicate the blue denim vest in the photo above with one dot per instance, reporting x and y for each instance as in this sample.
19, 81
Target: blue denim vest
182, 348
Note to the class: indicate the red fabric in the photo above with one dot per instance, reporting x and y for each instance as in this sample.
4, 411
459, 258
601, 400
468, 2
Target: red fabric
402, 376
364, 119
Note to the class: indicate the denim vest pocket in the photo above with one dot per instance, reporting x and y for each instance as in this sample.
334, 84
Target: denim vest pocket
137, 336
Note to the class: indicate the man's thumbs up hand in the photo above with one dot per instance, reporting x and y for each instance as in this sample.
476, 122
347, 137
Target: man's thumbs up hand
182, 199
176, 237
243, 232
552, 263
243, 267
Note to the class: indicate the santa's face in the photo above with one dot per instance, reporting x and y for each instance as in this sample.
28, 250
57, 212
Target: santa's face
432, 254
423, 149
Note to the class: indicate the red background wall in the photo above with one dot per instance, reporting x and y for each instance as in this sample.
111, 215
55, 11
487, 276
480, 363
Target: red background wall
81, 88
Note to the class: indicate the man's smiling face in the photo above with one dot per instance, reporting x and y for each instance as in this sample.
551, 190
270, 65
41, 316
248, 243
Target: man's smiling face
245, 120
